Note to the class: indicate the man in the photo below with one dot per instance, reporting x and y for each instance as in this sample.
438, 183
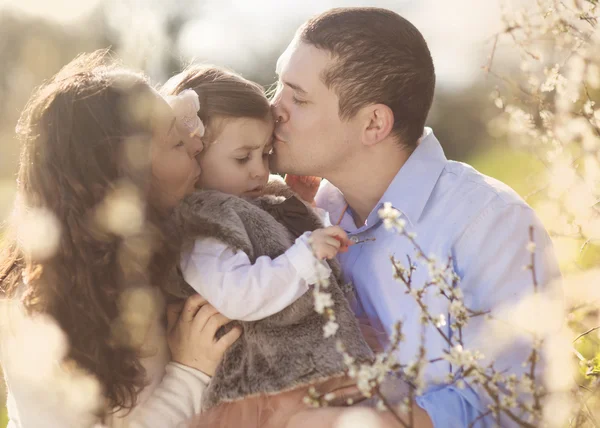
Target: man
355, 88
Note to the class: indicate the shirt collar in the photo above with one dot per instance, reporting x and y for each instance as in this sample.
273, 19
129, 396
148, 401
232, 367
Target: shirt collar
408, 192
412, 186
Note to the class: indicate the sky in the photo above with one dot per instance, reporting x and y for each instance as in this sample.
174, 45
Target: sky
237, 32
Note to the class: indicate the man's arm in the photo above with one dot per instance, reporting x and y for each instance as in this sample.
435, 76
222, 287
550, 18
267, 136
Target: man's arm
491, 258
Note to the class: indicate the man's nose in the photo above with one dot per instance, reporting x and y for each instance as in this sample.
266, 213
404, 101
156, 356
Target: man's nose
280, 113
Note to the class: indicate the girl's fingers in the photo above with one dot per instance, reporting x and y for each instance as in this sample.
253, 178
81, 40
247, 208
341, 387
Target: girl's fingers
191, 307
228, 339
310, 181
203, 316
327, 252
333, 242
215, 322
336, 231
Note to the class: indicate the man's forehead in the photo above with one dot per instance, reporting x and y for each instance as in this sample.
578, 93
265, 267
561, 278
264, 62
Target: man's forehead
284, 58
301, 60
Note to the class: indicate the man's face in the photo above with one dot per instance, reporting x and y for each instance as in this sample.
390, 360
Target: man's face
310, 138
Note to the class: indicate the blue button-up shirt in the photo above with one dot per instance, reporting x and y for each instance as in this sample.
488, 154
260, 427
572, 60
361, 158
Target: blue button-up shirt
454, 211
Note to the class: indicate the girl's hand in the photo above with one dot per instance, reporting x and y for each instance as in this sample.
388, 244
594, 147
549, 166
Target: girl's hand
327, 242
305, 186
191, 329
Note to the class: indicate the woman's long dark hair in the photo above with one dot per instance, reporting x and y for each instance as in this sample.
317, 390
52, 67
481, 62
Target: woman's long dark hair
76, 134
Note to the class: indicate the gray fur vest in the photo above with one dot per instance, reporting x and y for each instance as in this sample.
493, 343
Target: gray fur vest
286, 350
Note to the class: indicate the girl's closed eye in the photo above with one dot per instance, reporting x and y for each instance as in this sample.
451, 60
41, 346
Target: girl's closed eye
179, 144
244, 159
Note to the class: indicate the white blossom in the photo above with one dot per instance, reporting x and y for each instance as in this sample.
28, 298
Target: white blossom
391, 218
553, 79
322, 300
520, 122
440, 321
39, 233
330, 329
458, 312
588, 107
462, 358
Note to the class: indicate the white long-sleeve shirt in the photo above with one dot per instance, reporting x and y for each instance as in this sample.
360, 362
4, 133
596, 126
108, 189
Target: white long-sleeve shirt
244, 291
38, 397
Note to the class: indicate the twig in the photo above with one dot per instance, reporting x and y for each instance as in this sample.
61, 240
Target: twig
481, 416
586, 333
488, 67
534, 277
389, 406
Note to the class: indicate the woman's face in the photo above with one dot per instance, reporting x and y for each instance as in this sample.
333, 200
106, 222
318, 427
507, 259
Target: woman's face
173, 159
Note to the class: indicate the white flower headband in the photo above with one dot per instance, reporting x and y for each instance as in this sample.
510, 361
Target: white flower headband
186, 106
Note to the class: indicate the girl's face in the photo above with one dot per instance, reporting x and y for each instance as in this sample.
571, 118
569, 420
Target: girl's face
237, 161
175, 170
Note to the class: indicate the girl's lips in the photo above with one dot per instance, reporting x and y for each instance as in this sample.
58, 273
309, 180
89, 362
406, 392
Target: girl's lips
257, 190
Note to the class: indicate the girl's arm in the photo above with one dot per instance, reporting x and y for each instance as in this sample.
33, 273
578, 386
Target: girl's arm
245, 291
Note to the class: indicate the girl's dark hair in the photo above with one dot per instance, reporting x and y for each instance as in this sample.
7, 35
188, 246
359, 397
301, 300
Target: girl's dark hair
222, 94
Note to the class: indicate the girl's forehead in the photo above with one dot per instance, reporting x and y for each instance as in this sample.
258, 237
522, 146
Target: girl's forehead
245, 131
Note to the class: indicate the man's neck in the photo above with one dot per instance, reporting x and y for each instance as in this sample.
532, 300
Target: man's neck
364, 180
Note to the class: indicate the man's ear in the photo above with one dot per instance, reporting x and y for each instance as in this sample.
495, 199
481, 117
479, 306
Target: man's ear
378, 120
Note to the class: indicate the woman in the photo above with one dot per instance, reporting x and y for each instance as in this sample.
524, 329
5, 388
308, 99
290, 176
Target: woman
103, 164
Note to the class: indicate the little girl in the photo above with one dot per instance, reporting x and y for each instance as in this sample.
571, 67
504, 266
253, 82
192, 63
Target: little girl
252, 249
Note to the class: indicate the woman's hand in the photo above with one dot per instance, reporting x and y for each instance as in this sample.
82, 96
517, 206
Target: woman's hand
191, 329
305, 186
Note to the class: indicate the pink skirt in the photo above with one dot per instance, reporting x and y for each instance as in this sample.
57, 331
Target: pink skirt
265, 411
274, 411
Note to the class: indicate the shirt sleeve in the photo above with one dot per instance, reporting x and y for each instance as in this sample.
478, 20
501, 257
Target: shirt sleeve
491, 258
450, 407
174, 401
32, 405
247, 291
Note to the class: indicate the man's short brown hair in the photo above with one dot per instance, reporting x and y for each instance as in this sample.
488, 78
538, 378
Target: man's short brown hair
379, 57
